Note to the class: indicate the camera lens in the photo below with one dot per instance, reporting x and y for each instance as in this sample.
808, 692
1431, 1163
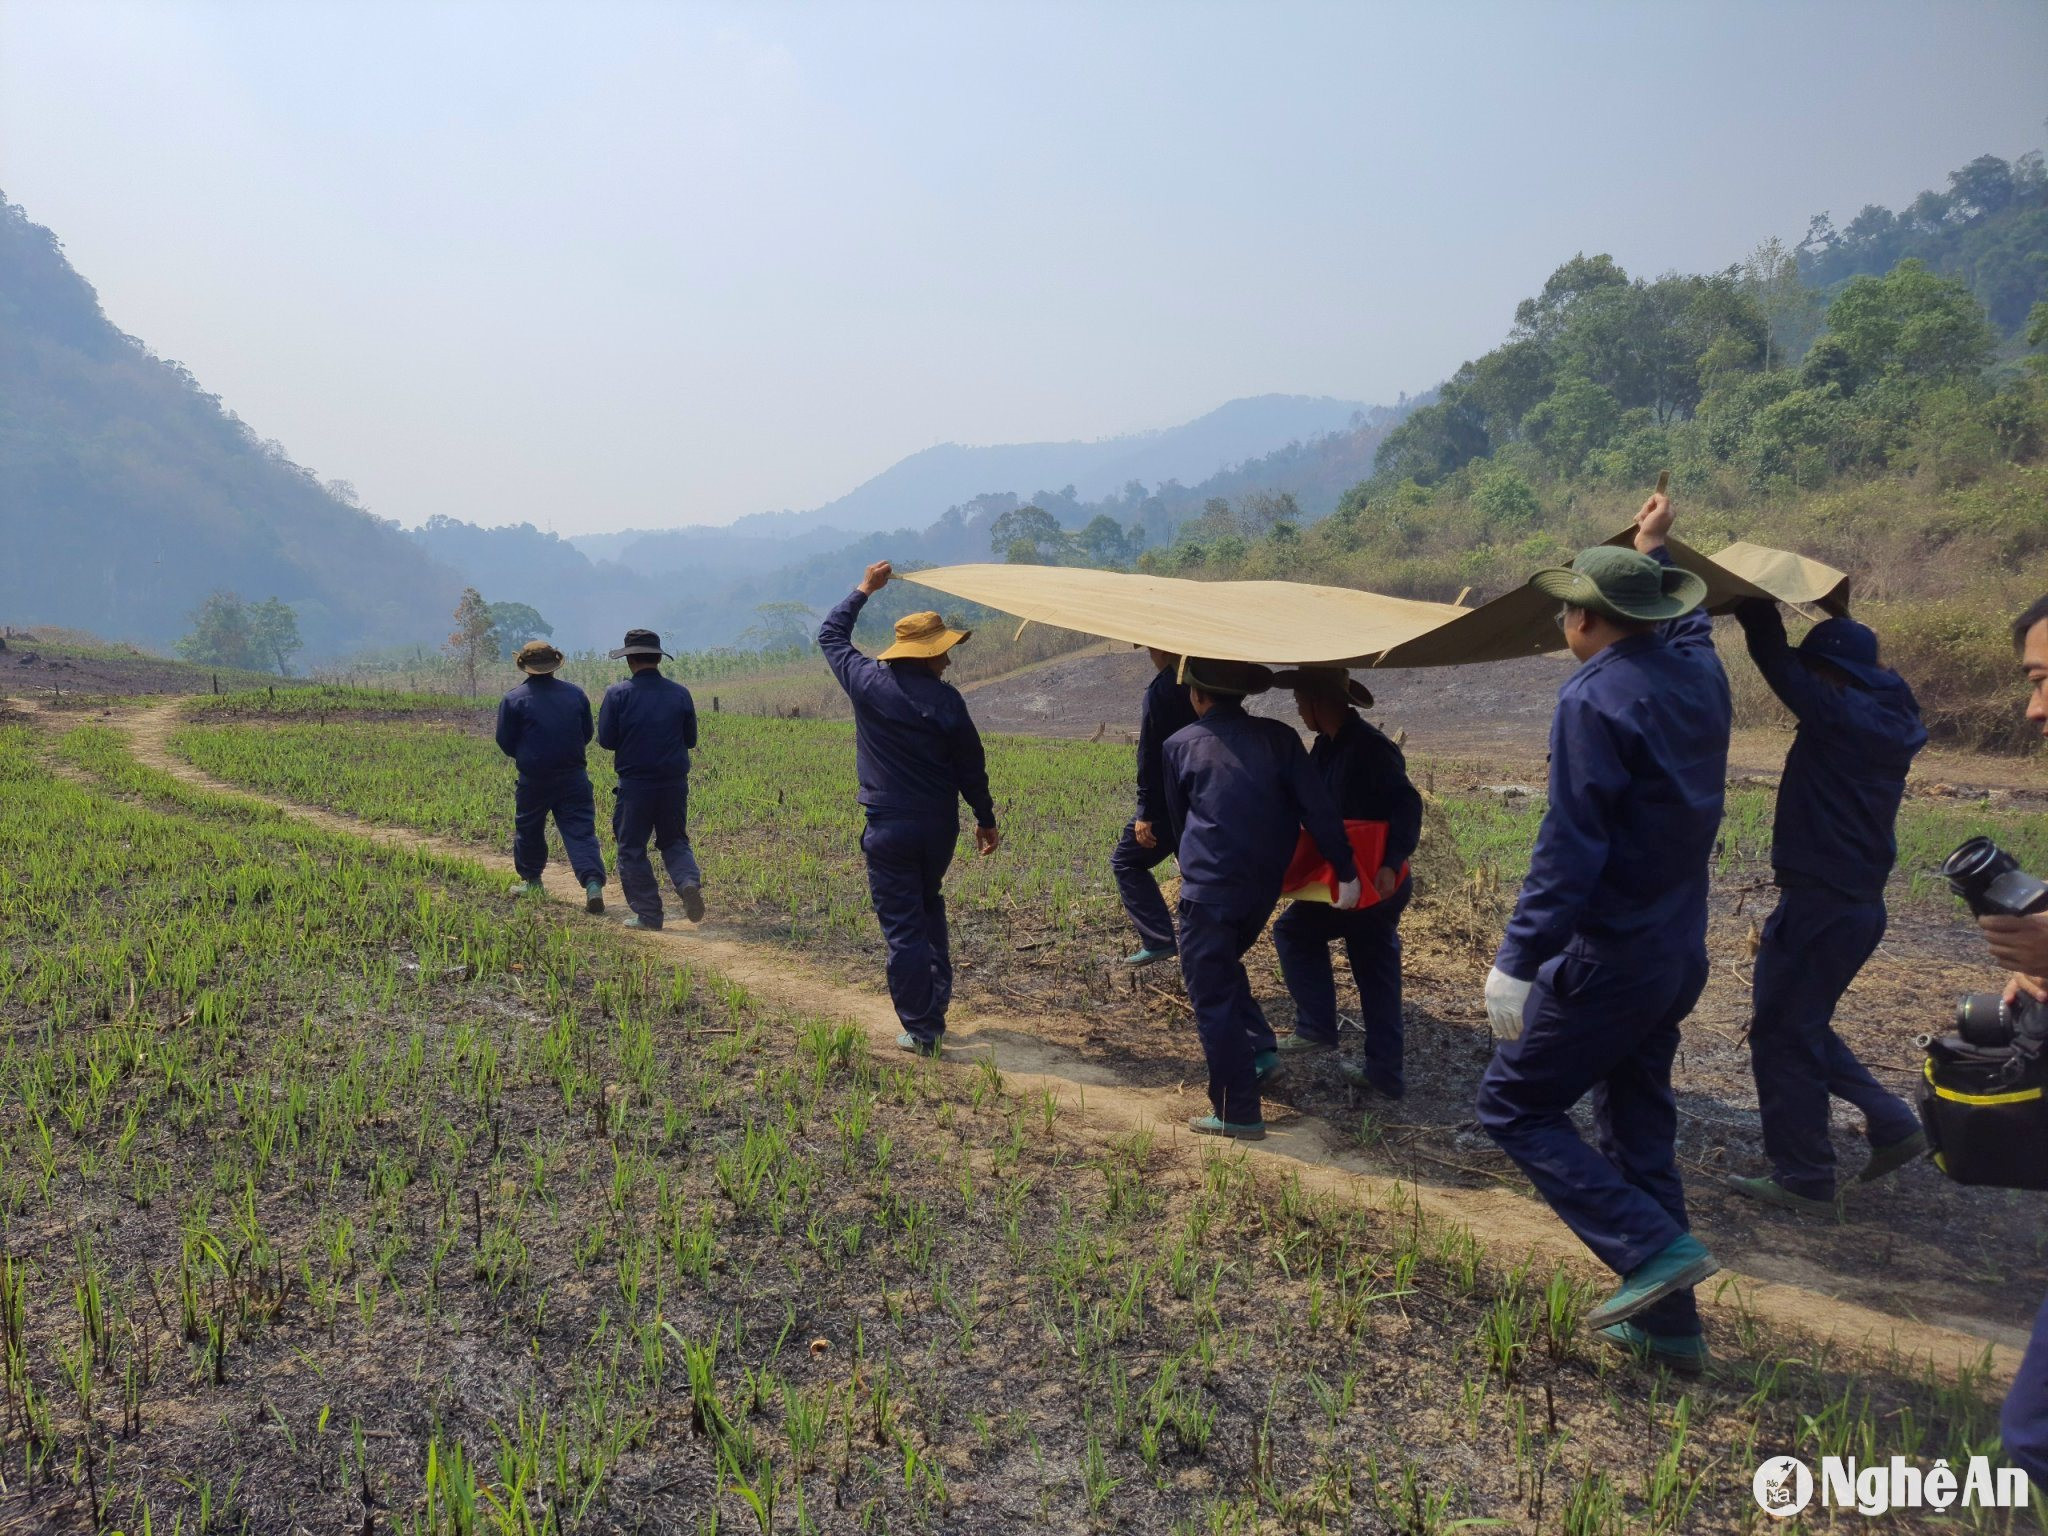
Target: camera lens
1982, 1019
1977, 860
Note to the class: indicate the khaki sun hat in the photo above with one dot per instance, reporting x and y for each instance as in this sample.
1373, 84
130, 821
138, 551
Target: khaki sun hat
923, 634
537, 656
1623, 585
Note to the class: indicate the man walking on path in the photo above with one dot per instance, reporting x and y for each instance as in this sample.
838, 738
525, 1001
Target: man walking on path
543, 726
1239, 791
649, 725
1368, 778
1147, 840
1832, 849
1606, 952
917, 755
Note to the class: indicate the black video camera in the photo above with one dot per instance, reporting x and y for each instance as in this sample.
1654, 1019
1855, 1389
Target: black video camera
1985, 1099
1992, 884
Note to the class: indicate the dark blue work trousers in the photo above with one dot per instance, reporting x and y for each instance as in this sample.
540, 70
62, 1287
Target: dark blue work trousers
1611, 1032
647, 809
1132, 863
567, 797
908, 857
1813, 946
1372, 943
1213, 941
2023, 1425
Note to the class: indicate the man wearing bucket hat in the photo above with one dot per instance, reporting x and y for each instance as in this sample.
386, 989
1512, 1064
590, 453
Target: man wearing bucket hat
1832, 849
1239, 791
917, 755
544, 726
1368, 778
649, 725
1147, 840
1606, 952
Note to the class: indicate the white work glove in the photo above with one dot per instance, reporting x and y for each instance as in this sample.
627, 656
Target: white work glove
1505, 999
1347, 895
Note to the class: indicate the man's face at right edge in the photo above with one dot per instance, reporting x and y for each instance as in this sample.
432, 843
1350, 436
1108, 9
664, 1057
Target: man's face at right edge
2035, 660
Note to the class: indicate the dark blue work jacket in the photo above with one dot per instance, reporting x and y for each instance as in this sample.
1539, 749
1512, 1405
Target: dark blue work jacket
915, 745
1638, 772
1846, 772
543, 726
1368, 778
1239, 789
649, 724
1166, 709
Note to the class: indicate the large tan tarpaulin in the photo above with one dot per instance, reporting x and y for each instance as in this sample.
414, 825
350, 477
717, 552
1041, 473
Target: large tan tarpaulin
1281, 623
1285, 623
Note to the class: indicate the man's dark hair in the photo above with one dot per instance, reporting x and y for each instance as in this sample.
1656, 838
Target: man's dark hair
2024, 624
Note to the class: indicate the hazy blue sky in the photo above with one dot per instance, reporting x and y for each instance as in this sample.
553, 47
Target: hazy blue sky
607, 264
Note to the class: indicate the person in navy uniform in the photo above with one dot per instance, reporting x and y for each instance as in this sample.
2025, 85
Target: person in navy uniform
544, 726
1239, 791
1832, 849
649, 725
1368, 778
1606, 952
1147, 840
917, 755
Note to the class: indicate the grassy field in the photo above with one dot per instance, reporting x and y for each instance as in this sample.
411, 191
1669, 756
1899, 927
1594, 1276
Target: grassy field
775, 825
340, 1192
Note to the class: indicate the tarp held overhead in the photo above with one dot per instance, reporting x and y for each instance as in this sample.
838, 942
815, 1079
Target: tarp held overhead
1280, 623
1286, 623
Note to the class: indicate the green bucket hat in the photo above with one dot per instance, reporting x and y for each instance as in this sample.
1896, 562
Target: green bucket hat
1623, 585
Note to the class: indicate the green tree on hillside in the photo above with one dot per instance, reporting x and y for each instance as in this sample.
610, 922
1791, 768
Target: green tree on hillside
274, 634
221, 634
780, 626
1104, 543
473, 644
513, 624
1908, 323
1027, 535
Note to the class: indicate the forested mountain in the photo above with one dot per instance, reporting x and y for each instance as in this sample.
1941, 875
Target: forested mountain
1989, 229
127, 492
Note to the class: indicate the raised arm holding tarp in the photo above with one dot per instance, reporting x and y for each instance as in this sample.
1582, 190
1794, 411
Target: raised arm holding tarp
1832, 849
917, 756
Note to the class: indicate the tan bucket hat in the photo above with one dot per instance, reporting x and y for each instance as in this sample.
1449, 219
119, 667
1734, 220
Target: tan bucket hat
923, 634
537, 656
